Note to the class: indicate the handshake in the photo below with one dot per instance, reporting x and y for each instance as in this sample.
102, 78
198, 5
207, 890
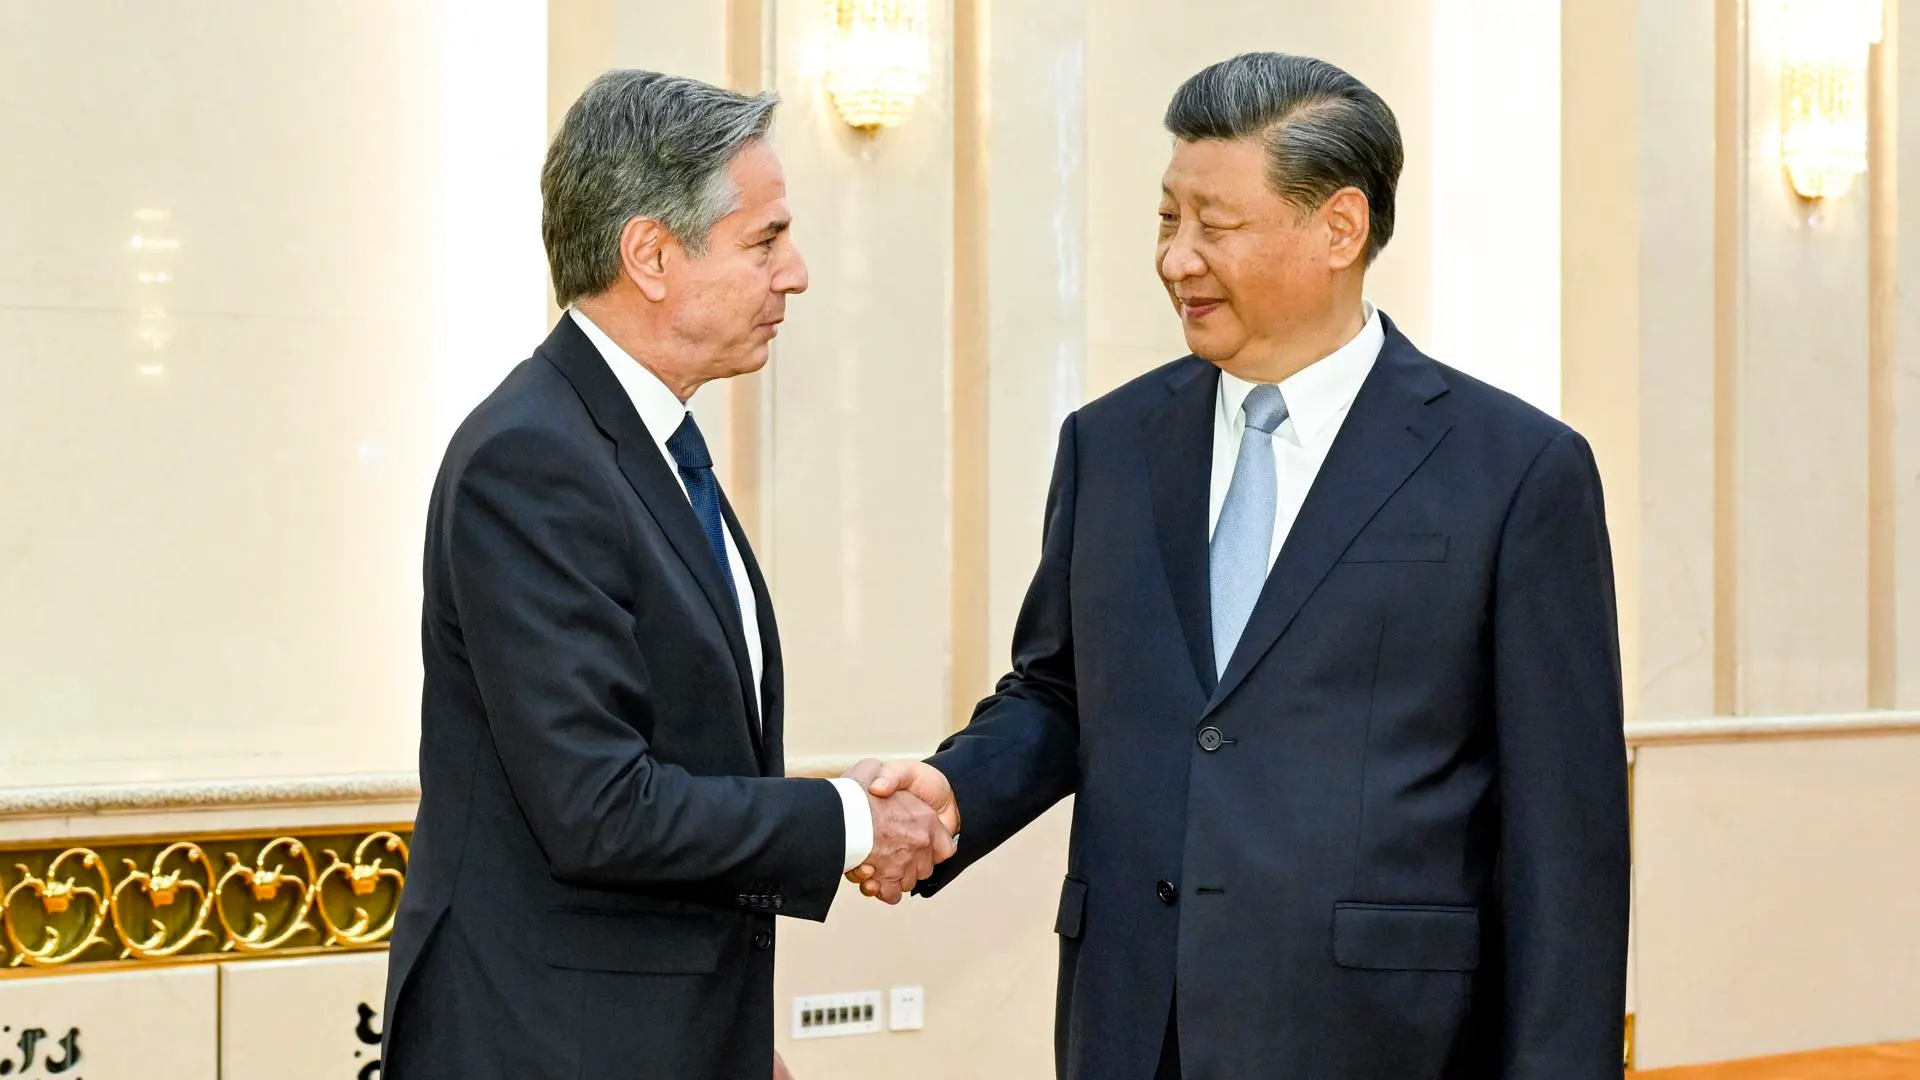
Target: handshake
915, 823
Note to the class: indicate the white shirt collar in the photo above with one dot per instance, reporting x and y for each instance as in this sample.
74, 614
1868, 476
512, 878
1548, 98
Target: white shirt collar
1318, 392
658, 407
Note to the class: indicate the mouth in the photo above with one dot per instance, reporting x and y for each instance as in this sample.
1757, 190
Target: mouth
1195, 308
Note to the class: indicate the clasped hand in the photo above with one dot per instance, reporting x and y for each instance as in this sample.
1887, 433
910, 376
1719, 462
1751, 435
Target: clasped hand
915, 820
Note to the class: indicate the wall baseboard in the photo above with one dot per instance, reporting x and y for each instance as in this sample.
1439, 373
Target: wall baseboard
1726, 729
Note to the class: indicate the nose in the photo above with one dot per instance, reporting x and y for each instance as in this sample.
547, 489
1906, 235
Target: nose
1179, 260
791, 278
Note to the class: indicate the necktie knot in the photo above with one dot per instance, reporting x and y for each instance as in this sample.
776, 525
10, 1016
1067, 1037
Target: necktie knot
688, 447
1265, 408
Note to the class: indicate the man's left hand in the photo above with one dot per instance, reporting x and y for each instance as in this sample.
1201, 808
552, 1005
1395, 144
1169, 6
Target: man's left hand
780, 1068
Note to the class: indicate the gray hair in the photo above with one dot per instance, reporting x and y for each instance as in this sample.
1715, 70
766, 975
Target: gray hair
1323, 129
640, 144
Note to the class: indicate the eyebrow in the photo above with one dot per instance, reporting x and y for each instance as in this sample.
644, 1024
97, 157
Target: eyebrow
1200, 198
774, 228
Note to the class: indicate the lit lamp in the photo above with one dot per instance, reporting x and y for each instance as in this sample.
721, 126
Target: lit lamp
1823, 92
880, 62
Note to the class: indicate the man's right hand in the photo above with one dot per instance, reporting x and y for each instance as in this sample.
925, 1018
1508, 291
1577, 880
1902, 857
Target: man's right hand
909, 840
916, 779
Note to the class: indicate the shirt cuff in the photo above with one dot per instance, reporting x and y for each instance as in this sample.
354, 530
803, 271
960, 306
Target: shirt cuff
859, 816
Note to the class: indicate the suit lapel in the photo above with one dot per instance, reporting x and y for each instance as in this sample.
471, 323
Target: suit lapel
768, 736
1179, 449
646, 470
1389, 432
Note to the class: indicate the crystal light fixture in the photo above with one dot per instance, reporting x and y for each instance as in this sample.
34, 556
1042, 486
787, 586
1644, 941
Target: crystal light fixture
881, 60
1823, 92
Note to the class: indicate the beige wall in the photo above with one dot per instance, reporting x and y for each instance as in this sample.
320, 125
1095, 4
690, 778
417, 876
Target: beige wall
860, 433
1776, 897
241, 312
1799, 571
1709, 312
1039, 275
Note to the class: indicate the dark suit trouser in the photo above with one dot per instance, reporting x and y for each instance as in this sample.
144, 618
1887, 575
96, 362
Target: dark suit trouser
1169, 1051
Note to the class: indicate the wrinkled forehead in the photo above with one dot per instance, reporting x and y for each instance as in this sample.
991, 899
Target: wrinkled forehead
1217, 173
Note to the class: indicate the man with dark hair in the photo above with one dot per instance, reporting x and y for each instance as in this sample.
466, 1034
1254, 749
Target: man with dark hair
1323, 641
606, 832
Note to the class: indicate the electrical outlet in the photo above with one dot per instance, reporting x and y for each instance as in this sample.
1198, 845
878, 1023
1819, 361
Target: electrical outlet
908, 1011
826, 1016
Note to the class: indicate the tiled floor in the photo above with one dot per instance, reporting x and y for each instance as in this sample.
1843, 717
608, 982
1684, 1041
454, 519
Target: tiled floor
1894, 1062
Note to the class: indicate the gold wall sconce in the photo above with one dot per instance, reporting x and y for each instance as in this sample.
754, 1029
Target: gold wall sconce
1823, 92
880, 62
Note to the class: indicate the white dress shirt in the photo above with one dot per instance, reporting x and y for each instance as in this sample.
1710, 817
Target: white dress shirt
662, 411
1318, 397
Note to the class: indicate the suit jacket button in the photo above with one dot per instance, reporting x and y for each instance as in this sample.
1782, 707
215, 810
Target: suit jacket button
777, 902
1211, 738
763, 939
1166, 892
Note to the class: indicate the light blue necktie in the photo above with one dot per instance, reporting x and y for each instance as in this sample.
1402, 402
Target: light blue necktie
1243, 537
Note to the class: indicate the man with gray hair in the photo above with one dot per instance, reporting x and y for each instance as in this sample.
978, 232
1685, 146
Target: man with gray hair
1322, 641
605, 832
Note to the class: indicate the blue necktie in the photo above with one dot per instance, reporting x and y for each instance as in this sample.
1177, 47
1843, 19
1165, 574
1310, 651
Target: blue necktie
689, 452
1243, 537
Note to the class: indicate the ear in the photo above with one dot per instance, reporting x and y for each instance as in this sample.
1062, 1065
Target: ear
1349, 223
645, 248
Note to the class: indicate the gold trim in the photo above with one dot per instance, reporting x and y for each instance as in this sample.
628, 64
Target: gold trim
160, 888
746, 45
57, 893
1730, 59
61, 908
1883, 391
363, 879
1633, 762
265, 884
968, 677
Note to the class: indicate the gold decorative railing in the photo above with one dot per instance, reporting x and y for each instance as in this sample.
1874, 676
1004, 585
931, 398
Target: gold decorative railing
198, 898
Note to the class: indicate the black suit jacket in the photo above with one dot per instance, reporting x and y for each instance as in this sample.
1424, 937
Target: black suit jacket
1390, 842
604, 833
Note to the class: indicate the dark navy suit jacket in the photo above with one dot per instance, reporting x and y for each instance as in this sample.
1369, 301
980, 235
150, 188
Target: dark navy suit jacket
605, 835
1390, 842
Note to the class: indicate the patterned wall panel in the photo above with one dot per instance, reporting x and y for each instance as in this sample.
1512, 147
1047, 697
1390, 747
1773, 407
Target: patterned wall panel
197, 898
